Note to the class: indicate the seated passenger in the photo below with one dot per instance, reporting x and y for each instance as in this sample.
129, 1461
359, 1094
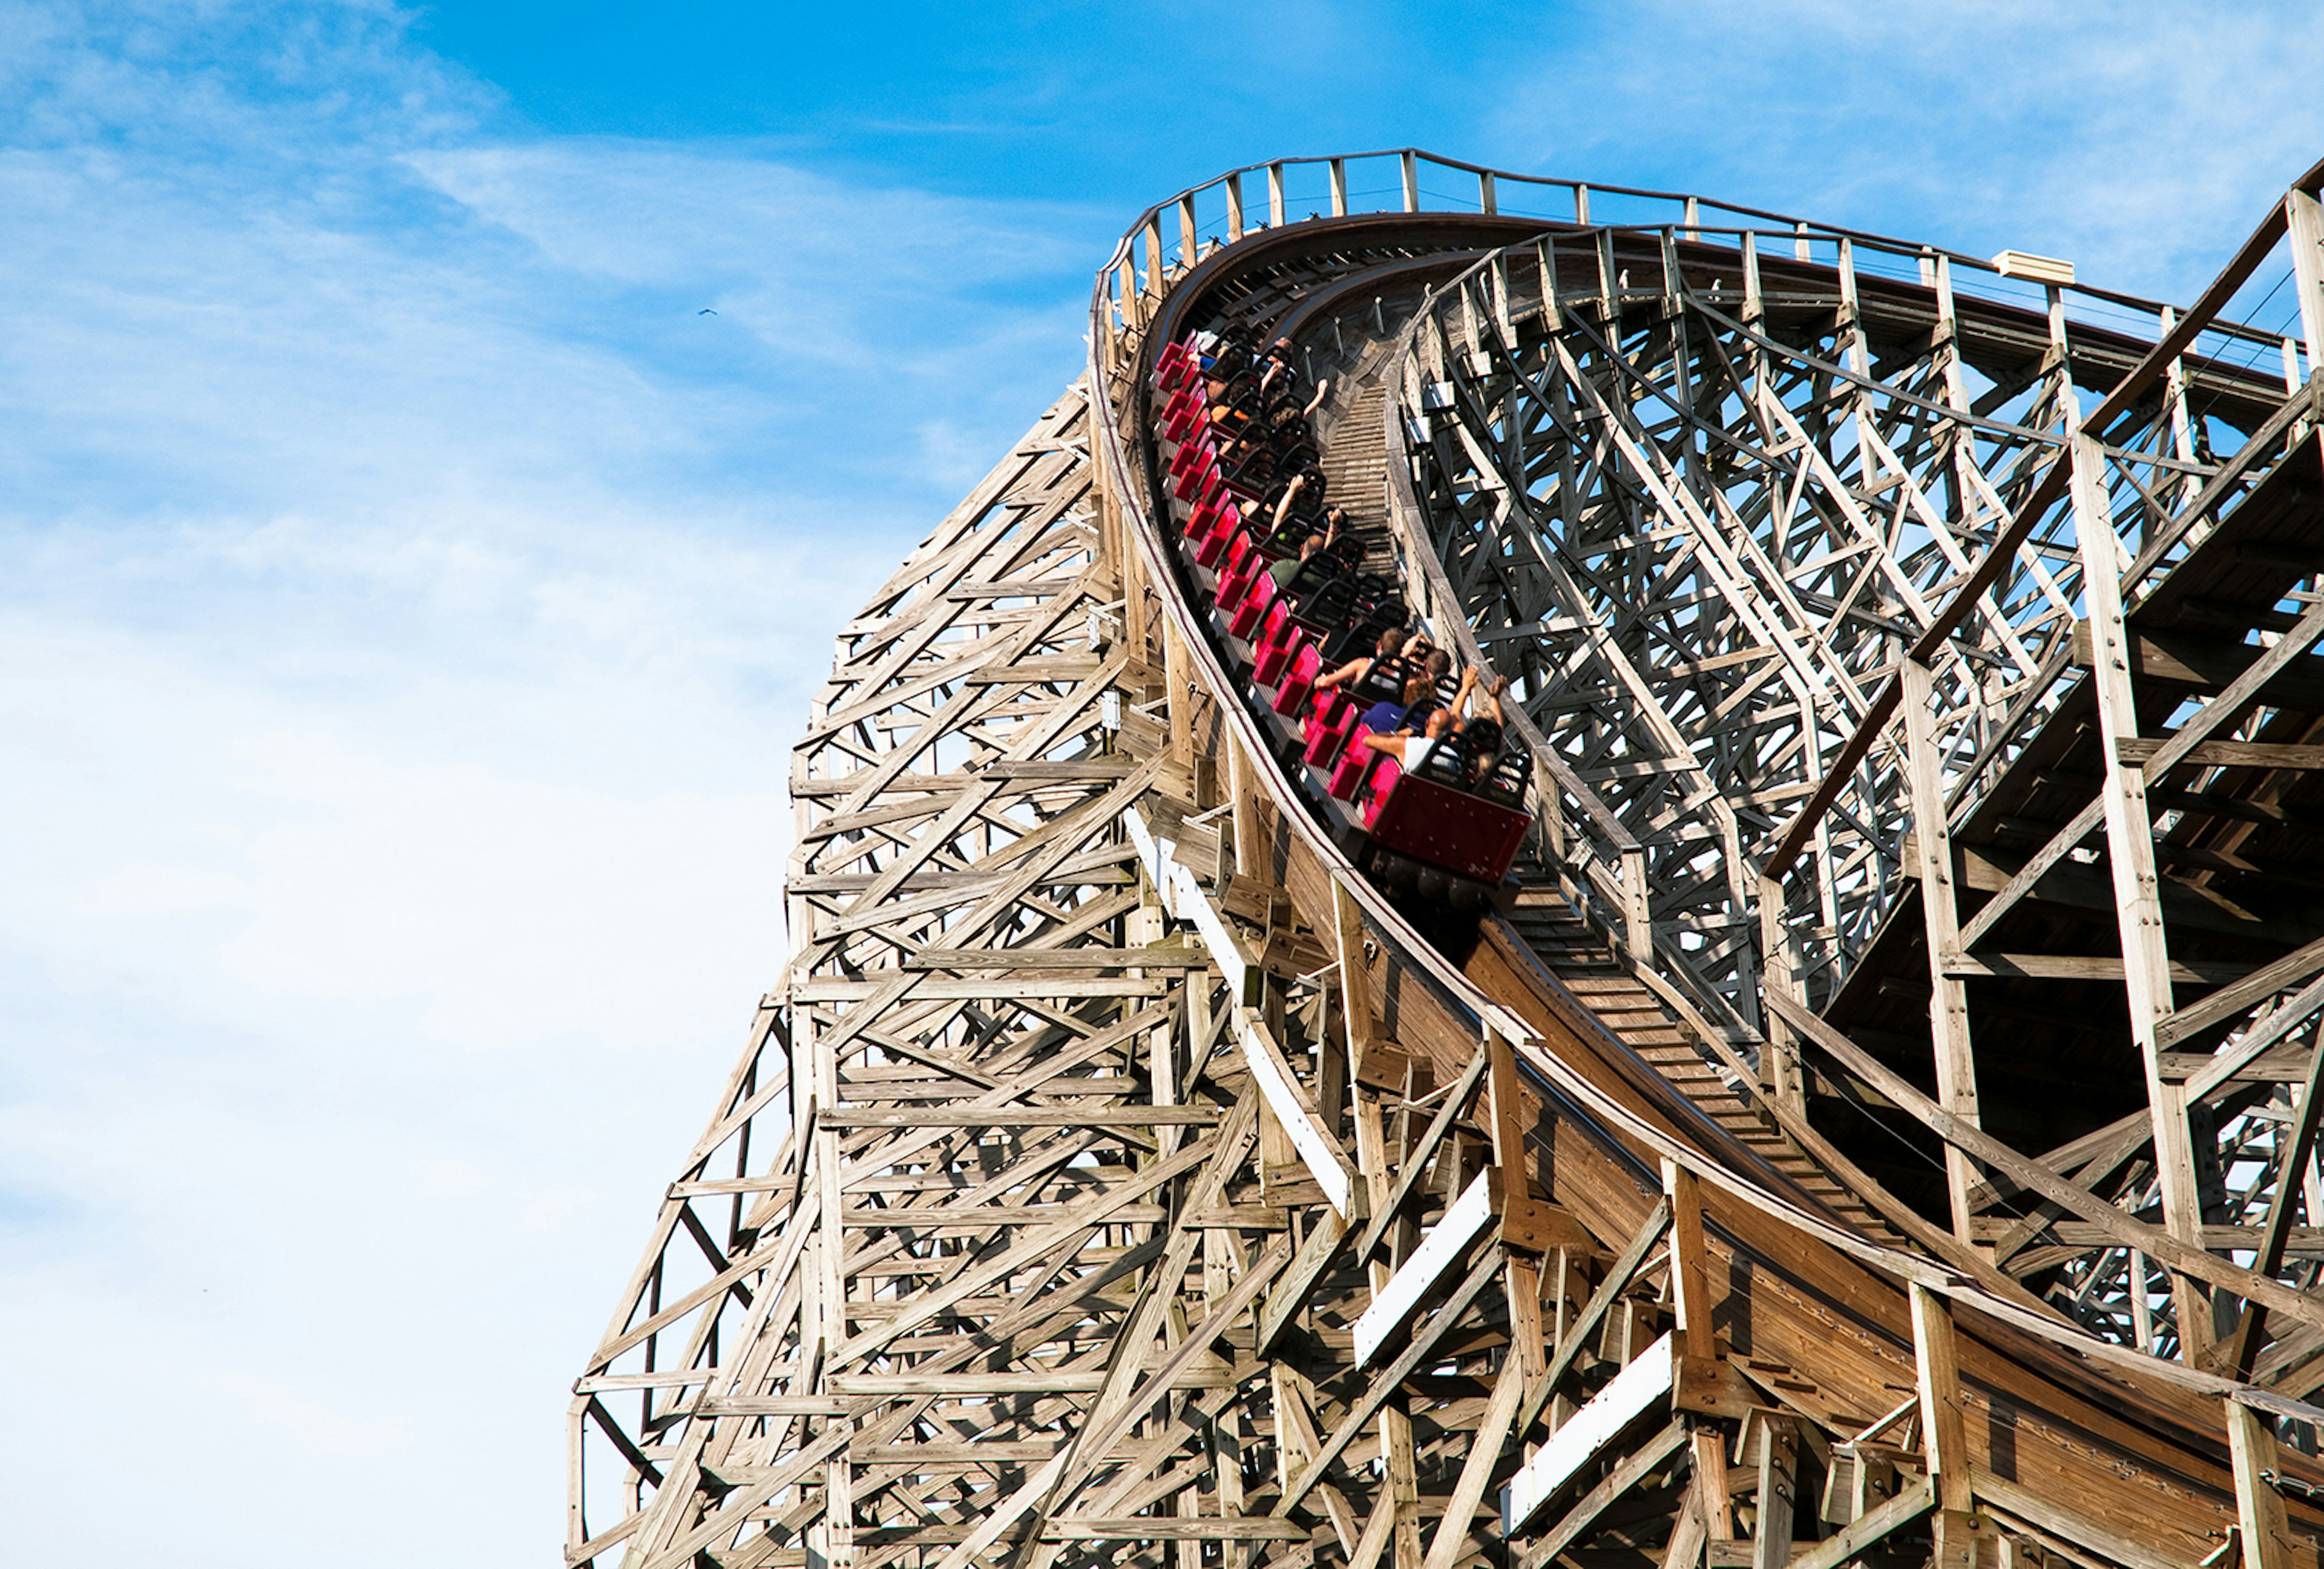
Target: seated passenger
1436, 667
1391, 644
1406, 748
1390, 715
1278, 362
1470, 679
1315, 544
1480, 750
1479, 738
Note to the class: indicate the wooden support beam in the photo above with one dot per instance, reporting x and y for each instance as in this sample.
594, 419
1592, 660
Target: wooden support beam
1936, 1373
1949, 1030
1294, 1113
1377, 1393
1585, 1328
2144, 752
1777, 1462
2304, 228
1289, 1297
2294, 968
2158, 1244
1452, 1542
1505, 1109
2130, 854
1859, 1535
2295, 1145
1439, 1251
1711, 1503
1955, 965
1645, 1382
1639, 1463
1416, 1159
2259, 1507
1689, 1271
2209, 662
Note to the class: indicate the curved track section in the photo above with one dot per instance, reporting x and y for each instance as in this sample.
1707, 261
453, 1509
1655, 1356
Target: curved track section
1117, 1175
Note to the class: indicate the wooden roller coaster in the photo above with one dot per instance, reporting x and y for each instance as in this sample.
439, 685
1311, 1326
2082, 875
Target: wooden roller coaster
1876, 1121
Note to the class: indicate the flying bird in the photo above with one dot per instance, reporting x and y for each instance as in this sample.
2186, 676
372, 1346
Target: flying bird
706, 311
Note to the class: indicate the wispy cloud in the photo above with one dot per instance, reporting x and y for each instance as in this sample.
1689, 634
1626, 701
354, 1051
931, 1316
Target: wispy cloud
2142, 140
406, 600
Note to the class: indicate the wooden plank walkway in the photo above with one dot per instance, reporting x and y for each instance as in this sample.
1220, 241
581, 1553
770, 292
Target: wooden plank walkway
1588, 968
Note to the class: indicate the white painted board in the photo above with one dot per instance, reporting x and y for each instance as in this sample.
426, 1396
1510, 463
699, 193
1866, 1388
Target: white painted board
1647, 1379
1447, 1241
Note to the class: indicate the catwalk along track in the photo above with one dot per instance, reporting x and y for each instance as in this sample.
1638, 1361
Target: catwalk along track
1874, 1123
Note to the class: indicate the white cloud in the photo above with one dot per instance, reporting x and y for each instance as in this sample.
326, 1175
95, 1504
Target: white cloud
406, 606
2143, 140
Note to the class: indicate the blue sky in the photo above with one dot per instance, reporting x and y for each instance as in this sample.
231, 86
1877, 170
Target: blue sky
407, 598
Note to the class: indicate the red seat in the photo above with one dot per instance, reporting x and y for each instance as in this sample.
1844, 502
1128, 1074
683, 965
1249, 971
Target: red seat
1238, 551
1300, 679
1278, 653
1194, 477
1348, 774
1326, 733
1215, 545
1255, 600
1205, 517
1275, 628
1385, 773
1191, 454
1235, 584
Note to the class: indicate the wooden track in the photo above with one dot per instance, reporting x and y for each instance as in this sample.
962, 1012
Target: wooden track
1117, 1175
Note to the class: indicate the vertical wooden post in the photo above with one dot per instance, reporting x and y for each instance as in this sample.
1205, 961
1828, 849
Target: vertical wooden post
1154, 257
1355, 980
1779, 1060
1691, 1298
1637, 915
1778, 1464
1181, 684
1128, 299
1505, 1098
1189, 232
1250, 847
1690, 1278
1275, 194
1411, 180
2137, 884
828, 1283
1234, 207
1940, 915
1398, 1512
2303, 219
2259, 1508
1339, 171
1936, 1367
